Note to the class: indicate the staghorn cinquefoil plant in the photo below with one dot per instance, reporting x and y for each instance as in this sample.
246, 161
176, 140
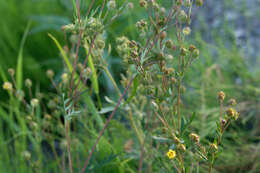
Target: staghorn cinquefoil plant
155, 63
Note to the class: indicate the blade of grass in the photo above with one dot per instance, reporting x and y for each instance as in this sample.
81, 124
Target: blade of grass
19, 67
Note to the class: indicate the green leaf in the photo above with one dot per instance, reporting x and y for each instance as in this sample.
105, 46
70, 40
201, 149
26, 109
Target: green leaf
66, 59
19, 66
94, 78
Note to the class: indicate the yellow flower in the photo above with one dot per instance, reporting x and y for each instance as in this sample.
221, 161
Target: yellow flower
7, 86
171, 154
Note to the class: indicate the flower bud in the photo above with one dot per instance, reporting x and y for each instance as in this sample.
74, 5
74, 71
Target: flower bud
163, 35
214, 147
232, 102
34, 102
184, 51
28, 83
194, 137
8, 86
65, 78
50, 73
196, 53
169, 44
11, 71
183, 16
186, 31
181, 147
26, 154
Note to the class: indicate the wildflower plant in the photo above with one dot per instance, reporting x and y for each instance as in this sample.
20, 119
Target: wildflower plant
152, 100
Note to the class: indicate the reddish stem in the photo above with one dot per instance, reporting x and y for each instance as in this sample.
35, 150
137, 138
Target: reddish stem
106, 125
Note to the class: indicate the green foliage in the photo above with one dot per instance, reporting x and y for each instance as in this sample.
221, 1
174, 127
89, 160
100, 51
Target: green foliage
61, 116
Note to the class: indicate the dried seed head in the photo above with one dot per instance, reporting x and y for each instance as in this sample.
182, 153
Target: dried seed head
8, 86
50, 73
221, 95
163, 35
11, 71
143, 3
192, 48
232, 102
194, 137
28, 83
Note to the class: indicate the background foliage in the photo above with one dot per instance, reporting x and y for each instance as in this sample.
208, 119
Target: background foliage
227, 35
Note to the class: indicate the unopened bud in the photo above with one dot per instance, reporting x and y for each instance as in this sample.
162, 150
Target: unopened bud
11, 71
50, 73
28, 83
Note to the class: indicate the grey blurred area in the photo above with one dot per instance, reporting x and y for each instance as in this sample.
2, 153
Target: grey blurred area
236, 21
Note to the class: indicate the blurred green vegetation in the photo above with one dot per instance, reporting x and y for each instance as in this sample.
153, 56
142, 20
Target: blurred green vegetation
222, 66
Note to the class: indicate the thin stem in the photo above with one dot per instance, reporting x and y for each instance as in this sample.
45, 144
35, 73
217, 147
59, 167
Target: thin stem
68, 146
106, 125
77, 51
90, 7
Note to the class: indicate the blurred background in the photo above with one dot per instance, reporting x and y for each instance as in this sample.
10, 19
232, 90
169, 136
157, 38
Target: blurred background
227, 33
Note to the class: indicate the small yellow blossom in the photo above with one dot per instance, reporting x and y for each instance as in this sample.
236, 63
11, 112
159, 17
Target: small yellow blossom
7, 86
171, 154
